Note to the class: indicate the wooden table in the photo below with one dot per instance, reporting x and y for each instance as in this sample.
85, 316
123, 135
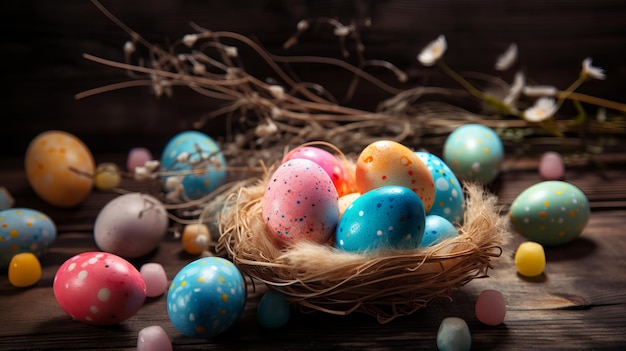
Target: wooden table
579, 303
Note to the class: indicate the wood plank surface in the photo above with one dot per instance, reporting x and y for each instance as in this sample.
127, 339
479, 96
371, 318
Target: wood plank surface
578, 304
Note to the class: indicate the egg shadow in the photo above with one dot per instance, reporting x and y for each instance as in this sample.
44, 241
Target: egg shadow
541, 278
576, 249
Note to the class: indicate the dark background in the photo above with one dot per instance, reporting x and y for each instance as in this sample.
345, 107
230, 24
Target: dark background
43, 42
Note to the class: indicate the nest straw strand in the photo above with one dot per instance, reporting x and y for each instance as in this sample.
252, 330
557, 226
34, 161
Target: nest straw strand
384, 284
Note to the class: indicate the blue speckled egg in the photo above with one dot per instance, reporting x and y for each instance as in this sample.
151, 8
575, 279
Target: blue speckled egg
387, 217
474, 152
24, 230
206, 297
449, 200
193, 150
436, 230
550, 213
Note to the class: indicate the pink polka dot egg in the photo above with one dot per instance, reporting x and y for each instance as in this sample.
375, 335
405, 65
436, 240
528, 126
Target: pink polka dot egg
99, 288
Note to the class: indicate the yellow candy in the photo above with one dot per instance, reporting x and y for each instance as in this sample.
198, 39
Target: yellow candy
24, 270
196, 238
108, 176
530, 259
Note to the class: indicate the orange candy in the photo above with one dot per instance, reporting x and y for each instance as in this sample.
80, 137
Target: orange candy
196, 238
24, 270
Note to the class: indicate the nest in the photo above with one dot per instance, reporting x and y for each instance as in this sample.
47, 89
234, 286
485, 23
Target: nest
385, 284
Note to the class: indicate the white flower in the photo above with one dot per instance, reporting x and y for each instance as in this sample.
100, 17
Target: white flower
129, 47
433, 51
543, 109
507, 59
183, 157
152, 165
540, 90
591, 71
516, 89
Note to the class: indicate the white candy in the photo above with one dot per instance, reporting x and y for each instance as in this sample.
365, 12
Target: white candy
454, 335
153, 338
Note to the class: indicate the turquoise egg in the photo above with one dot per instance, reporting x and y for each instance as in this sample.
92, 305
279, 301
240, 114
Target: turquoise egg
449, 200
196, 160
474, 152
436, 230
206, 297
24, 230
550, 213
386, 217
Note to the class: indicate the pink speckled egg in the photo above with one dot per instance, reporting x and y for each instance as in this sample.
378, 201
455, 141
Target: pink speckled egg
386, 162
300, 203
329, 162
99, 288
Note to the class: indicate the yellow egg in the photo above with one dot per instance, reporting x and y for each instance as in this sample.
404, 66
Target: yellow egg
60, 168
24, 270
196, 238
530, 259
108, 176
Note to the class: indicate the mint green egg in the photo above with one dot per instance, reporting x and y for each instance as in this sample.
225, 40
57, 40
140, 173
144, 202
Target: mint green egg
551, 213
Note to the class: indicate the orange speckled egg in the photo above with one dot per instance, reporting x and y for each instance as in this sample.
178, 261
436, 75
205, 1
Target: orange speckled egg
60, 168
387, 162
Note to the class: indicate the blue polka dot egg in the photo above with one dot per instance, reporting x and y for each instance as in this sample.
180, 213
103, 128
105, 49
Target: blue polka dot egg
474, 152
24, 230
449, 200
206, 297
193, 163
389, 217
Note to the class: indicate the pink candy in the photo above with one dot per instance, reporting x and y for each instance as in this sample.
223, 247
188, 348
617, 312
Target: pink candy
551, 166
155, 278
153, 338
137, 157
490, 307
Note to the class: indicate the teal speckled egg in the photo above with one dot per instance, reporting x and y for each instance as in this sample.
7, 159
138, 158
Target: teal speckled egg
550, 213
387, 217
449, 200
474, 152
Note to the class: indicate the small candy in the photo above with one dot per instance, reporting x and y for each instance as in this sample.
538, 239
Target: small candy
530, 259
108, 176
153, 338
6, 200
155, 278
273, 310
453, 335
137, 157
490, 307
24, 270
196, 238
551, 166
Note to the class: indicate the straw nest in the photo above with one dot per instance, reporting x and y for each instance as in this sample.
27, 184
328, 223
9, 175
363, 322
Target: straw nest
384, 284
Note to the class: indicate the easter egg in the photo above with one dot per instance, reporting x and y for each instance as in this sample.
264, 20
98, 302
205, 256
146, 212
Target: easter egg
474, 153
345, 202
24, 230
550, 212
60, 168
195, 238
108, 176
99, 288
6, 199
454, 335
131, 225
436, 230
206, 297
386, 162
329, 163
387, 217
273, 310
153, 338
449, 200
197, 162
300, 203
24, 270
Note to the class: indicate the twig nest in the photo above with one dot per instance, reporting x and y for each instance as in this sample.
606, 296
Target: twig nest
383, 283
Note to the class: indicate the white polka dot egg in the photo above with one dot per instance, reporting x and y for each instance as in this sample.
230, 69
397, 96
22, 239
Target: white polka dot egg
99, 288
206, 297
449, 200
